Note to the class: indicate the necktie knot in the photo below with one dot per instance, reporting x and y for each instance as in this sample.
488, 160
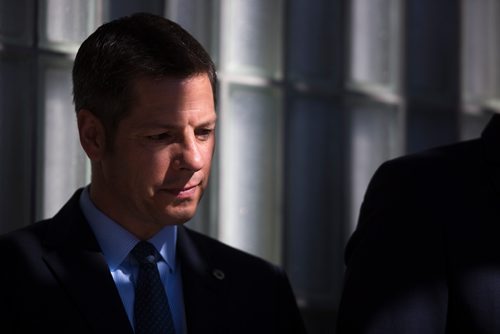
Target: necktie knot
144, 252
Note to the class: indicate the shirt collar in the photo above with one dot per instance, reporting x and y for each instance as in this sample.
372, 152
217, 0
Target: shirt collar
116, 242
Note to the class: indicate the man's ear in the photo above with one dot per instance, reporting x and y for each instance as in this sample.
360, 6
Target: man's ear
92, 134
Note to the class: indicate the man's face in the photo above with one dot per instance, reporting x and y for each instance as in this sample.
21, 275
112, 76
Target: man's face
159, 164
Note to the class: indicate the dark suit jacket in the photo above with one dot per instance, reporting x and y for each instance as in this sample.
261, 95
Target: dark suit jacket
54, 279
425, 257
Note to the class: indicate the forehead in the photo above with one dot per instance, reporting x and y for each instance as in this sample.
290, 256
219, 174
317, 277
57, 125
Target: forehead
172, 98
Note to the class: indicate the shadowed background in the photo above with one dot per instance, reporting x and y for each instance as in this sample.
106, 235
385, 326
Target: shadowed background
314, 95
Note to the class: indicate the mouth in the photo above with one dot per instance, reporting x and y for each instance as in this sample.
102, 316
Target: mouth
184, 192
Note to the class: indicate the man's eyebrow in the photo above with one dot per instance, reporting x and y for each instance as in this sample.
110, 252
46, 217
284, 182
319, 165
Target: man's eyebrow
152, 124
160, 125
209, 123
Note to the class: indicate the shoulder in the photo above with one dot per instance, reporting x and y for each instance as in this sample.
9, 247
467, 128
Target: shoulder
439, 165
22, 251
24, 239
258, 292
66, 226
458, 155
431, 179
235, 261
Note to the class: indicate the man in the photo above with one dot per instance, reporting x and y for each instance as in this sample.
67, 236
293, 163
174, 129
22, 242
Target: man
425, 257
144, 95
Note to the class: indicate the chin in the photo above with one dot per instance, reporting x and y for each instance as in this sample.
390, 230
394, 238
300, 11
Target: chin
180, 216
176, 212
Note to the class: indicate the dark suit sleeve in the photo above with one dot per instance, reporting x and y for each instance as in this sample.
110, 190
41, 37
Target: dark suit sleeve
289, 317
395, 275
6, 304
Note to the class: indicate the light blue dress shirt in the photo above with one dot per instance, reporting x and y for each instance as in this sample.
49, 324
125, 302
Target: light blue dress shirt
116, 244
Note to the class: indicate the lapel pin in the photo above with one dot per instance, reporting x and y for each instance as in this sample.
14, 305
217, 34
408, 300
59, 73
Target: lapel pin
219, 274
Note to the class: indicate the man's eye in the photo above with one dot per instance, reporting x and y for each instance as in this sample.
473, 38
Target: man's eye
204, 133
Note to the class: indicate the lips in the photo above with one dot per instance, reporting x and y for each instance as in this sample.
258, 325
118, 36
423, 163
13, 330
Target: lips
184, 192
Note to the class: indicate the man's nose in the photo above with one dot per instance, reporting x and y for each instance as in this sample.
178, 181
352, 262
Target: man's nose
190, 156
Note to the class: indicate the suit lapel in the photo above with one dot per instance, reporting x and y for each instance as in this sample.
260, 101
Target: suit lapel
204, 296
75, 258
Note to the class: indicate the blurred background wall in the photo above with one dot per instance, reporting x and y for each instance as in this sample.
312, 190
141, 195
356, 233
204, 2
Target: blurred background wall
314, 95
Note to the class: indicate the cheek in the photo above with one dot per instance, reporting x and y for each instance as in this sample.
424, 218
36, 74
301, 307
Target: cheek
209, 150
157, 164
208, 157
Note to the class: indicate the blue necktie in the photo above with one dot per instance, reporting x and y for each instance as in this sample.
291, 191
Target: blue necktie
152, 314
